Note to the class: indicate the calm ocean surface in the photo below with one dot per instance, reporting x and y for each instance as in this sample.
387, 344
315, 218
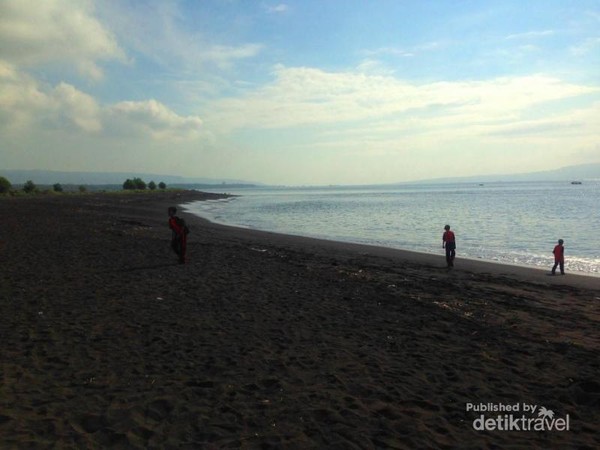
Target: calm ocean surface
510, 223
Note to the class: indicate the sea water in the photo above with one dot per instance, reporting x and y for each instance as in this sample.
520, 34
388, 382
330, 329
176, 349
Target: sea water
512, 223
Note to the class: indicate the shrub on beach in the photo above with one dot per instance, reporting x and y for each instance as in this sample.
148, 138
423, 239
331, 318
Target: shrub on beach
4, 185
29, 187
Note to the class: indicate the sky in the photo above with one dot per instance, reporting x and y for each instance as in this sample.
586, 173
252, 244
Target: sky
300, 92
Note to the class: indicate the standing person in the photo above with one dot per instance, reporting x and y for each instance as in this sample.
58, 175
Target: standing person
179, 236
449, 243
559, 257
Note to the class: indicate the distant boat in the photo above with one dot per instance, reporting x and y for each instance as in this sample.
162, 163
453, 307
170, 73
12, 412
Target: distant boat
575, 182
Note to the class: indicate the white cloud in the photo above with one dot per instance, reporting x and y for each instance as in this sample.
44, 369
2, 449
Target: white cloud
20, 98
277, 9
304, 96
154, 119
374, 67
78, 107
530, 35
160, 31
380, 123
27, 105
24, 104
51, 31
223, 55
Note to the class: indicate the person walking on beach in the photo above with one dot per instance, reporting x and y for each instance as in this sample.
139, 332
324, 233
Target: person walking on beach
449, 243
179, 234
559, 257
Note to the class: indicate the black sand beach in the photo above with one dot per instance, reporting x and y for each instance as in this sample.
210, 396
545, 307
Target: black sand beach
273, 341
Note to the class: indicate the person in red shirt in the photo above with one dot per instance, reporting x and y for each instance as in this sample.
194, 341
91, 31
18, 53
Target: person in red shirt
449, 243
559, 257
179, 235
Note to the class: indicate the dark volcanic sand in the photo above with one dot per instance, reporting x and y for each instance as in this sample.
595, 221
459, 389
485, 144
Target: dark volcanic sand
270, 341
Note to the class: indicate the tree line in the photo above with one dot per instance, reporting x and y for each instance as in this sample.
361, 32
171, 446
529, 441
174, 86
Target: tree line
30, 187
139, 184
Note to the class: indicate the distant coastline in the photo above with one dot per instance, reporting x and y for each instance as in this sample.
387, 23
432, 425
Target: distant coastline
110, 180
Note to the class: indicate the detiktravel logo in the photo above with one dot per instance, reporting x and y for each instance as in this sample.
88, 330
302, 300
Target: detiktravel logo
516, 417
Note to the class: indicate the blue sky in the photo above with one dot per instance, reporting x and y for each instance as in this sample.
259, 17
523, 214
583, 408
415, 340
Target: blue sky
300, 92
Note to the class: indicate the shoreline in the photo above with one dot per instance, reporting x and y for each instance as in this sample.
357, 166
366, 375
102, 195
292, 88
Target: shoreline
474, 260
264, 340
523, 272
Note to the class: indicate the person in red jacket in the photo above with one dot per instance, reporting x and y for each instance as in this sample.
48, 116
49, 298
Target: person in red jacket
559, 257
449, 243
179, 235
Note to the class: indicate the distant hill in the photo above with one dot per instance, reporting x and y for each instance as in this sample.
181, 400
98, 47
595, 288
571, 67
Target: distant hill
571, 173
581, 172
107, 178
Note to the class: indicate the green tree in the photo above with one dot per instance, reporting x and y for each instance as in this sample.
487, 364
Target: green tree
162, 185
139, 183
57, 187
136, 183
29, 187
152, 185
82, 189
4, 185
